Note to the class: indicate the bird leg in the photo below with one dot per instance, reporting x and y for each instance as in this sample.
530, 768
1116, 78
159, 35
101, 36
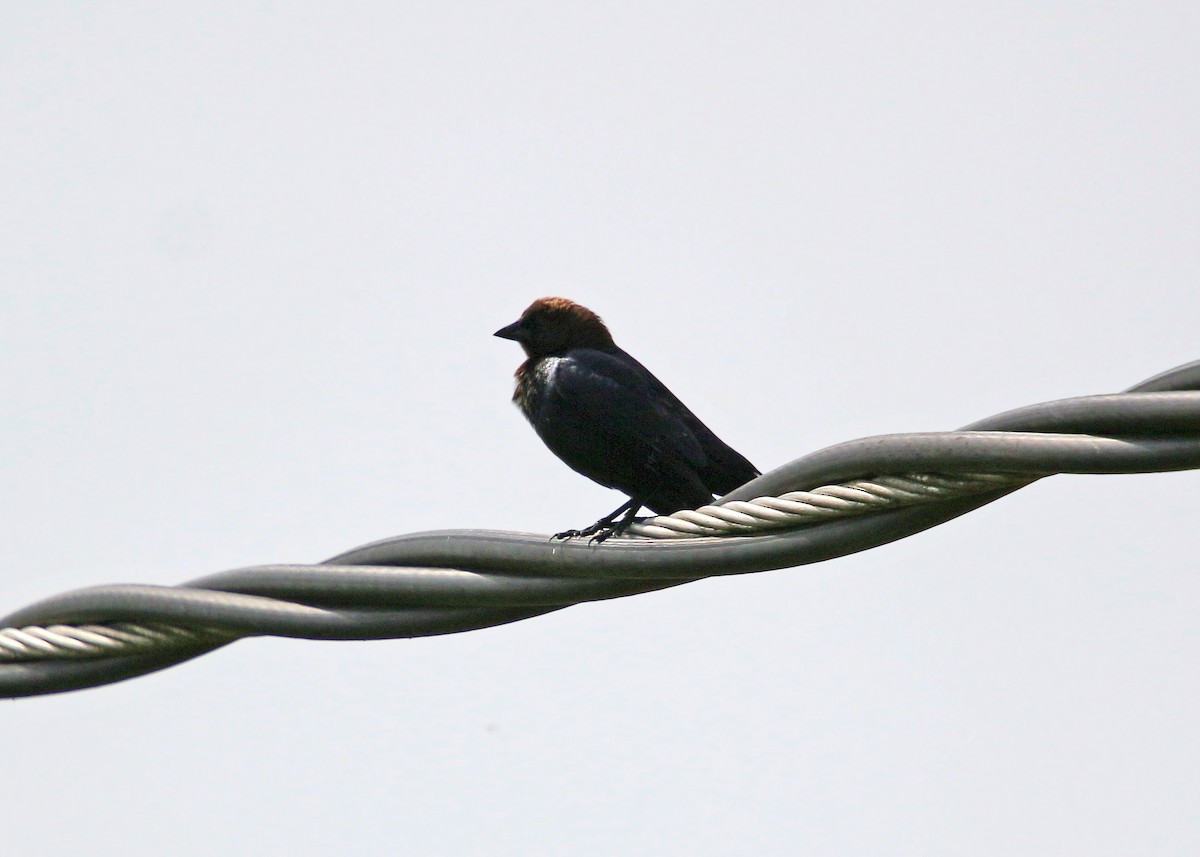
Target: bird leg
605, 527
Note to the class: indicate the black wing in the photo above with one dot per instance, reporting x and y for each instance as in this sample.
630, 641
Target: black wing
725, 468
608, 418
602, 416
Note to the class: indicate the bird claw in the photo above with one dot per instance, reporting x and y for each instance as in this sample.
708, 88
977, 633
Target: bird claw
606, 527
593, 530
599, 531
604, 533
566, 534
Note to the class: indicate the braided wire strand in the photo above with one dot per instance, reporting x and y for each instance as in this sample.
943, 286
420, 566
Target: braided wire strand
94, 641
793, 508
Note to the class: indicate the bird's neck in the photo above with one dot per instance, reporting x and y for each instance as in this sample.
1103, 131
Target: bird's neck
534, 378
524, 376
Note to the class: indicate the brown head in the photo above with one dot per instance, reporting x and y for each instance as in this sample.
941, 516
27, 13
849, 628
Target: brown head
553, 326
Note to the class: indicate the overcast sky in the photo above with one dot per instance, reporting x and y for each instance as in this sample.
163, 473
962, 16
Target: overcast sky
253, 255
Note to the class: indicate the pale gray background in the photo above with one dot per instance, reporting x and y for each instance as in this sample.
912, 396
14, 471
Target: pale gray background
252, 257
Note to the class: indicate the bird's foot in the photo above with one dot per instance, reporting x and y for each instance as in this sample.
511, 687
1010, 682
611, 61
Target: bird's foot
604, 533
606, 527
598, 531
574, 534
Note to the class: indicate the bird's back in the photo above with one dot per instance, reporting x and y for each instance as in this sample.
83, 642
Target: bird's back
725, 468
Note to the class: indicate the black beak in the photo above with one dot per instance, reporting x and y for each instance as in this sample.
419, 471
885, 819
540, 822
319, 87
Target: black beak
514, 332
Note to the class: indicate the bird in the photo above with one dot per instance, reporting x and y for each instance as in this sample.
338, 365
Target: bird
608, 418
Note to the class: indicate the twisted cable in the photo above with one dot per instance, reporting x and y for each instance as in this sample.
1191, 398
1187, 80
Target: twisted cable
840, 500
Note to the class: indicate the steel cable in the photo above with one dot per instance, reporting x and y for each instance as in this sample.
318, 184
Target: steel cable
840, 500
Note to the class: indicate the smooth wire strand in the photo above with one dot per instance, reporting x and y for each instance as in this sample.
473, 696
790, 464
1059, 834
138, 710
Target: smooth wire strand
840, 500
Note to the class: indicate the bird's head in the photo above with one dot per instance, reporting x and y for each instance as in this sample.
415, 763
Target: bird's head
553, 326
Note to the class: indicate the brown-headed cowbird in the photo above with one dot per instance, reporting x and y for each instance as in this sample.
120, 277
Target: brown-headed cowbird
607, 417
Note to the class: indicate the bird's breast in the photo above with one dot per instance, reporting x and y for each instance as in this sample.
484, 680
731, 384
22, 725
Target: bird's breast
534, 380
